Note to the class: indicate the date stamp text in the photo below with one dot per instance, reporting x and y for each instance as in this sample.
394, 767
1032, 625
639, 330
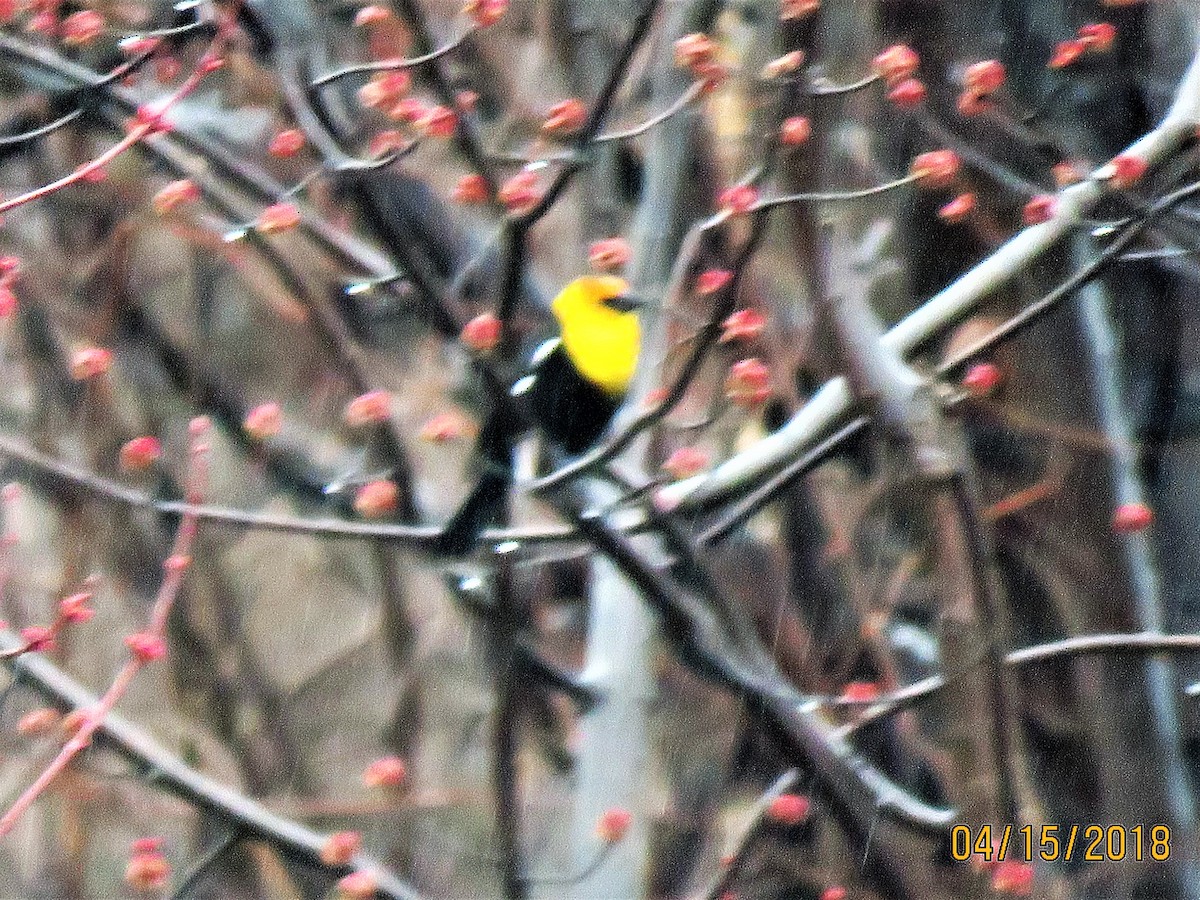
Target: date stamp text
1061, 843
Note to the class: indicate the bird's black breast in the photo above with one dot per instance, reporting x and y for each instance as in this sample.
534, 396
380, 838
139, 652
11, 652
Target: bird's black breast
569, 409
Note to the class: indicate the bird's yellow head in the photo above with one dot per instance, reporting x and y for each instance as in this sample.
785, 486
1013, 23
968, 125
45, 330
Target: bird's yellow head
601, 340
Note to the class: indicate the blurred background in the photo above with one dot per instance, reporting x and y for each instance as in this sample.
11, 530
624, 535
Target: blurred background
299, 655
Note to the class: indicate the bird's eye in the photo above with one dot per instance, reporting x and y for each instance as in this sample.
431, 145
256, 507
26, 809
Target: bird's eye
624, 303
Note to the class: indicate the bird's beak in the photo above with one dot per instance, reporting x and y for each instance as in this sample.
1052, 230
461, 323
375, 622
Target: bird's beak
625, 303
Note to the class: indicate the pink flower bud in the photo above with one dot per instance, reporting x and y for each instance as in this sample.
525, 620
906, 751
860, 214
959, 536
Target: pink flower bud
148, 872
38, 638
372, 95
37, 722
263, 422
694, 50
613, 824
788, 809
971, 103
835, 892
371, 408
1130, 518
794, 131
982, 379
82, 27
713, 280
482, 333
1066, 173
861, 692
985, 77
409, 109
1127, 170
44, 22
287, 143
385, 772
958, 209
743, 325
174, 195
210, 62
444, 427
1065, 53
739, 199
72, 722
146, 646
712, 75
151, 118
935, 169
387, 141
609, 254
278, 217
153, 844
140, 453
90, 362
686, 462
783, 65
339, 848
1013, 877
177, 562
486, 12
394, 84
896, 63
466, 101
90, 173
1038, 210
748, 382
357, 886
75, 608
1098, 37
8, 301
371, 15
565, 117
907, 94
521, 192
376, 499
791, 10
439, 122
471, 189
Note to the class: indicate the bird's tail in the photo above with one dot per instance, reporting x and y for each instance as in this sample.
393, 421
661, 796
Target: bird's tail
488, 500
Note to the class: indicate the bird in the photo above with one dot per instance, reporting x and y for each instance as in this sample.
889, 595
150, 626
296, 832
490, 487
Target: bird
575, 384
578, 379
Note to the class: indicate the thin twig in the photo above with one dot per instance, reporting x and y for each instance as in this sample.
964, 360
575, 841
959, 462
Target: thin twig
176, 566
393, 65
691, 94
724, 879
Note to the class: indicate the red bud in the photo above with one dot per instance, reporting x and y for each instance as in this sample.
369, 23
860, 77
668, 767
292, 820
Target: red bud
1130, 518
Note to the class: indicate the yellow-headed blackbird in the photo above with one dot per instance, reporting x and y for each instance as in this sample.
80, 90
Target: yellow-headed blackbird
576, 383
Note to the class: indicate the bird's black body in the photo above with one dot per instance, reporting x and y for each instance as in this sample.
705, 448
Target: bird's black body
571, 410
